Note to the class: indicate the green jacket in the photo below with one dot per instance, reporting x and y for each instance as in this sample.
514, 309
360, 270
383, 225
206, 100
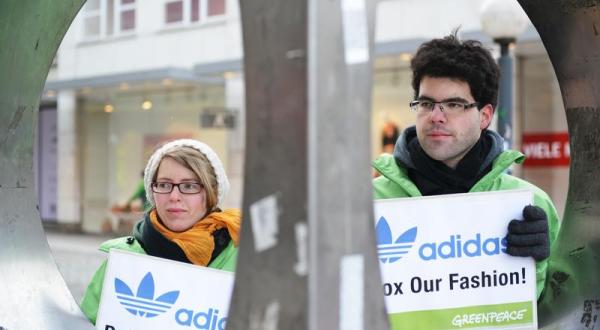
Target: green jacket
395, 183
91, 299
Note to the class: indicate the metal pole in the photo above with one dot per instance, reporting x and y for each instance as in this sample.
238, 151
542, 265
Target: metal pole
344, 282
307, 257
505, 97
271, 273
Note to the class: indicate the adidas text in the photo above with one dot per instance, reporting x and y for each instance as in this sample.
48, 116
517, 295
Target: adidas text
208, 320
456, 248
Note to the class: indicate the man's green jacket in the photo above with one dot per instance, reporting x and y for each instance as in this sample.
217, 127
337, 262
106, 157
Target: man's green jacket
395, 183
91, 300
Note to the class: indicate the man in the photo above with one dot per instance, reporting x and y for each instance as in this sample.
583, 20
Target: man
450, 150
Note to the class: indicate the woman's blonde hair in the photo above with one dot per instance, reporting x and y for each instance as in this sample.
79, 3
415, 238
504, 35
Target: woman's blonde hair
196, 162
200, 159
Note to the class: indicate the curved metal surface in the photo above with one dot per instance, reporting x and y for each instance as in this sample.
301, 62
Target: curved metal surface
570, 31
34, 294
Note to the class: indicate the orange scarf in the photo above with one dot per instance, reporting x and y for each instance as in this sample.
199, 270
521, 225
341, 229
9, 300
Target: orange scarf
197, 242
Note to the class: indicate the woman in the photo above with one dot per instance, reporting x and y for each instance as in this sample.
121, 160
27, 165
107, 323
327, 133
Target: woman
185, 182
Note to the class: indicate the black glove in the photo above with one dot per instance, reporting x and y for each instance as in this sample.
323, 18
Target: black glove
529, 237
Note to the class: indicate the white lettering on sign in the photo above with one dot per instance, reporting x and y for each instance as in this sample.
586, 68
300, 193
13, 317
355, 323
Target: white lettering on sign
544, 150
487, 318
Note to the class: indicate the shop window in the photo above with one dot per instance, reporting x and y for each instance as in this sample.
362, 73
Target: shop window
108, 18
185, 12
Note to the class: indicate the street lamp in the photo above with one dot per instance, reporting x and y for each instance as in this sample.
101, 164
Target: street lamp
504, 20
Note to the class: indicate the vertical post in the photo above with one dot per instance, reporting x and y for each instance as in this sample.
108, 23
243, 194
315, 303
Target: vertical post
505, 95
307, 256
344, 280
235, 99
69, 196
271, 273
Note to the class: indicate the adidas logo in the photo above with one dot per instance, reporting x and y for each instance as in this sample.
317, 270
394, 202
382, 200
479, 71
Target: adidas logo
389, 250
143, 303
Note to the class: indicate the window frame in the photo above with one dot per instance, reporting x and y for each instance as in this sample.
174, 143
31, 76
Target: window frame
119, 8
108, 29
187, 21
92, 13
185, 5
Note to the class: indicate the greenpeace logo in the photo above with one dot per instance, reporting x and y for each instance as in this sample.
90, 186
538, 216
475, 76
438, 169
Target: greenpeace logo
143, 303
388, 249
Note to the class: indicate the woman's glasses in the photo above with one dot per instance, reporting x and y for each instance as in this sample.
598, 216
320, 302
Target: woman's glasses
184, 187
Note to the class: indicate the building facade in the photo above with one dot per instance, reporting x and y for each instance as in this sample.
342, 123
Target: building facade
131, 75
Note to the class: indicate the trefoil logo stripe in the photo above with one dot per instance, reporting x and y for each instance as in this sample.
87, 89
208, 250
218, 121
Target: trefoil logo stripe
148, 309
388, 249
143, 303
392, 253
392, 246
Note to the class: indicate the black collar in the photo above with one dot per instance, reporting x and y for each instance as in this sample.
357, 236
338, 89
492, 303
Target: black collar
433, 177
155, 244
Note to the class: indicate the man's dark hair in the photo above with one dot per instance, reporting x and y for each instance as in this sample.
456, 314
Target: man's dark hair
464, 60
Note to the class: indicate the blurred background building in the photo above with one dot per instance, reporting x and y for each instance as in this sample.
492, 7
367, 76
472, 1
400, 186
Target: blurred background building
130, 75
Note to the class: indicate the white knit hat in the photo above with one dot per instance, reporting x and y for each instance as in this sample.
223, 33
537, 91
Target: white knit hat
157, 156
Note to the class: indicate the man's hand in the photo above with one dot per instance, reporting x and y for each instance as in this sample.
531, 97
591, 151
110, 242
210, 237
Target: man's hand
529, 237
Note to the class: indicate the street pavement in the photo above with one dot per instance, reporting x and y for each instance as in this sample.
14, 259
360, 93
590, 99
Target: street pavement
77, 257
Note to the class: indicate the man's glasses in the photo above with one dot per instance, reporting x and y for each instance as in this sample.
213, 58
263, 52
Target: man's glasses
425, 106
184, 187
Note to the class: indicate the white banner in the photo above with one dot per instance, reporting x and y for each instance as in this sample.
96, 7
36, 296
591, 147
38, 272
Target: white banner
144, 292
444, 264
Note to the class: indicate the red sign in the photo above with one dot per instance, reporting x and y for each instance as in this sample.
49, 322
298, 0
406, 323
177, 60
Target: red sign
546, 149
